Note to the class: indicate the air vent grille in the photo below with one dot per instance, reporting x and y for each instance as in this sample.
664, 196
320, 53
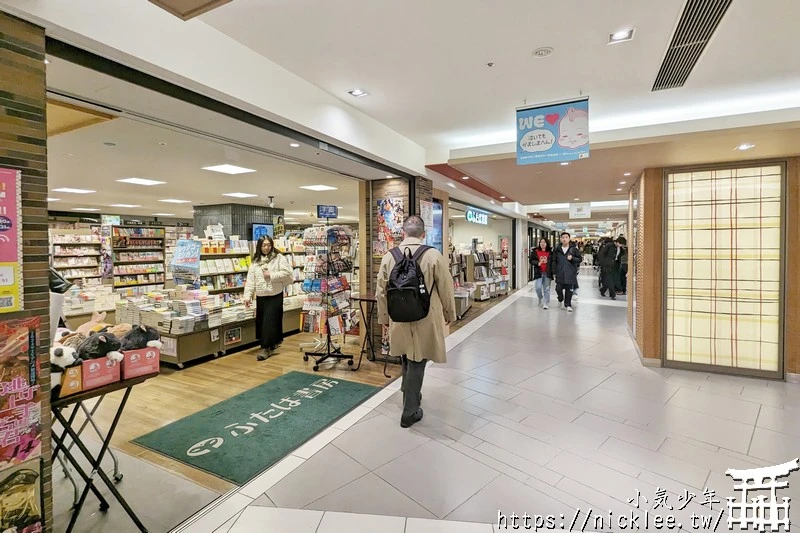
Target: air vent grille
699, 21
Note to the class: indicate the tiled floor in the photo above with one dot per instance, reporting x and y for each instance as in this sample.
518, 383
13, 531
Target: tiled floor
536, 411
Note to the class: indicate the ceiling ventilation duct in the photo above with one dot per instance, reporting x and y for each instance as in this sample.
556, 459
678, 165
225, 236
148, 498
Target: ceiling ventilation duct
699, 21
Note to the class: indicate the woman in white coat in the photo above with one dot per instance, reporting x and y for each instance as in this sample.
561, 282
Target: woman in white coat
269, 274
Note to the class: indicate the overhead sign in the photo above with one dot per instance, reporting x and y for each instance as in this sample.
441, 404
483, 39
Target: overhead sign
477, 217
580, 210
327, 211
11, 290
553, 133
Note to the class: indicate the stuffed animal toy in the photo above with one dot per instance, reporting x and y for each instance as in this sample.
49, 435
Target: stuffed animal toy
100, 345
73, 340
141, 337
95, 324
61, 358
120, 330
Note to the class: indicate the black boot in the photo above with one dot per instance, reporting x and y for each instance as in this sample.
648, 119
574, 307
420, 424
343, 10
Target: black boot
407, 423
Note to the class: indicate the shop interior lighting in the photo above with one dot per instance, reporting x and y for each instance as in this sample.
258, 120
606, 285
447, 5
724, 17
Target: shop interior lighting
564, 163
129, 206
623, 182
54, 199
163, 214
295, 145
627, 174
451, 185
141, 181
358, 93
621, 36
318, 188
239, 195
84, 209
174, 201
745, 146
74, 191
464, 177
229, 169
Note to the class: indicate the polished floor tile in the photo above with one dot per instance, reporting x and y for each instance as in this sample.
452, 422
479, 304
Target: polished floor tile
277, 521
378, 441
363, 523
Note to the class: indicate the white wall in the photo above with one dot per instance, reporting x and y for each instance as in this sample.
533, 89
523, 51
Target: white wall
463, 232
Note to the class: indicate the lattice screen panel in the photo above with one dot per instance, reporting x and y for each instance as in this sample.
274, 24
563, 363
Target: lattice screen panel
724, 267
638, 263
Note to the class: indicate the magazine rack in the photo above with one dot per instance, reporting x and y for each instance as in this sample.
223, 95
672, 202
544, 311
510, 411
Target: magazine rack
327, 306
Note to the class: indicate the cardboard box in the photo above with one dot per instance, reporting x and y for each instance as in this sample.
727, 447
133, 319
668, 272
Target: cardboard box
71, 381
99, 372
140, 362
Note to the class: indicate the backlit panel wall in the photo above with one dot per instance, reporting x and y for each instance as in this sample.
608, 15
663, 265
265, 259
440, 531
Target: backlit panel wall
724, 267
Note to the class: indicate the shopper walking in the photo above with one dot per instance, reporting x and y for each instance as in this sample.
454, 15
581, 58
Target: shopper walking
608, 268
622, 262
564, 268
588, 254
540, 259
421, 340
269, 274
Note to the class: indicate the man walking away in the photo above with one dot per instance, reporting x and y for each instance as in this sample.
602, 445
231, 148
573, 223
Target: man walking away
588, 253
622, 260
608, 269
416, 312
565, 265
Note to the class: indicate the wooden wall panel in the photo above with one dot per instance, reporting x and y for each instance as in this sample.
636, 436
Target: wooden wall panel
791, 322
23, 146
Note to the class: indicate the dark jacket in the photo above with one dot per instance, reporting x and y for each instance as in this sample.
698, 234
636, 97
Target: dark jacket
563, 271
607, 256
537, 270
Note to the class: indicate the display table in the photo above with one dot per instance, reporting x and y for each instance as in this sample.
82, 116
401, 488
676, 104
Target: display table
95, 462
74, 320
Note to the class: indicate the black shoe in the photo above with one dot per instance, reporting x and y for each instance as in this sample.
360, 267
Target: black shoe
407, 423
263, 356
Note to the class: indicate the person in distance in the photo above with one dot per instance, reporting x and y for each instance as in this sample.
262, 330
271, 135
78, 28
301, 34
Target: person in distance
564, 269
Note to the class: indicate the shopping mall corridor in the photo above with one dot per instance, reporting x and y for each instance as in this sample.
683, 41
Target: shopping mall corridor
537, 411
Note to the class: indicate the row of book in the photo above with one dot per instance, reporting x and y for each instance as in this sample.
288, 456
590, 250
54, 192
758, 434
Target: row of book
77, 251
290, 245
229, 246
74, 273
225, 265
129, 257
327, 303
76, 262
136, 279
330, 284
158, 233
141, 268
227, 281
338, 325
125, 242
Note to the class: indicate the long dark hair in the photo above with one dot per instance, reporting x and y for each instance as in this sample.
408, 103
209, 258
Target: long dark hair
547, 248
258, 255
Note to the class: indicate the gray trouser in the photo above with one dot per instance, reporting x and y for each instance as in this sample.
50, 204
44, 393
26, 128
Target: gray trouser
413, 374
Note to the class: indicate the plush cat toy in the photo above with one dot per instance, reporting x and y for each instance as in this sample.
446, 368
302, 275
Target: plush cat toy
95, 324
141, 337
72, 340
61, 358
100, 345
120, 330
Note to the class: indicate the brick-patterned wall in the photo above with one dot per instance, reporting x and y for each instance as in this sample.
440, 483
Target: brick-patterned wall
23, 146
424, 192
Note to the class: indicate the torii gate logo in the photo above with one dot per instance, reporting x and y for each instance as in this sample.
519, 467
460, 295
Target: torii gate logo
758, 512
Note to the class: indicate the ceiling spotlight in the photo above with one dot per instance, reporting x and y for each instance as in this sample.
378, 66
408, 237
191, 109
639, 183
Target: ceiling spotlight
239, 194
492, 202
627, 174
623, 182
621, 36
389, 176
577, 199
564, 163
544, 51
109, 143
618, 190
745, 146
294, 145
464, 177
502, 197
451, 185
162, 143
358, 93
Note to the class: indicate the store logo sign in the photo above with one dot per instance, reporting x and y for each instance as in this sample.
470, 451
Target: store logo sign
477, 217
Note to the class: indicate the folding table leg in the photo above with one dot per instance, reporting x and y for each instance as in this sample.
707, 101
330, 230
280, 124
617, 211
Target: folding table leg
84, 476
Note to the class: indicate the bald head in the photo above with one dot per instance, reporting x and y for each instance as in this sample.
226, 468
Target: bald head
414, 227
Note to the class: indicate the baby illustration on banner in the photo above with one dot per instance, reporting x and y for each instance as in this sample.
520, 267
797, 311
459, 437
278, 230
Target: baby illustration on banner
573, 129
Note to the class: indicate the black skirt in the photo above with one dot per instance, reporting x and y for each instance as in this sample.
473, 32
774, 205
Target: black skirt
269, 320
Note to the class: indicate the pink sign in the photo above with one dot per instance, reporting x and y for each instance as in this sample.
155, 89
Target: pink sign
10, 231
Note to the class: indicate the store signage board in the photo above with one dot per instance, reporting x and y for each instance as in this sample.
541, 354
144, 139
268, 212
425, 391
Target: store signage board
187, 256
553, 133
11, 289
327, 211
580, 210
477, 217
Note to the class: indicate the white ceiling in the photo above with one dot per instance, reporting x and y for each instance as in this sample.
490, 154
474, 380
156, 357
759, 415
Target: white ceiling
80, 159
425, 63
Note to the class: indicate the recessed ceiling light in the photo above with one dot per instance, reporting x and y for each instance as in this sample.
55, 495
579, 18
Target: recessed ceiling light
623, 182
54, 199
502, 197
124, 205
141, 181
67, 154
174, 201
74, 191
84, 209
544, 51
745, 146
389, 176
451, 185
295, 145
621, 36
627, 174
618, 190
577, 199
162, 143
229, 169
564, 163
109, 143
464, 177
318, 188
163, 214
358, 93
239, 195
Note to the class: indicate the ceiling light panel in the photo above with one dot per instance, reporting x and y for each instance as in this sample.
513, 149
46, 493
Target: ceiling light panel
54, 199
239, 195
129, 206
318, 188
141, 181
229, 169
621, 36
163, 214
74, 191
174, 201
85, 209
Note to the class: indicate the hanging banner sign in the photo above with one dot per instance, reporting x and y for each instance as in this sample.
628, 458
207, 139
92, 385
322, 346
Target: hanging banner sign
477, 217
11, 290
553, 133
580, 210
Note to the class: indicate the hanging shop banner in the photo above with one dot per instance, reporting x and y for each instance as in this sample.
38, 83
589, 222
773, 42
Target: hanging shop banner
477, 217
553, 133
11, 289
391, 215
580, 210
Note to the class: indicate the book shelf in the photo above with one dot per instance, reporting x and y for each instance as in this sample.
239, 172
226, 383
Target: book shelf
224, 272
75, 254
138, 258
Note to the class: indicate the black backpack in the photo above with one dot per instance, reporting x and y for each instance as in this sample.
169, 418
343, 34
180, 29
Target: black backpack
406, 296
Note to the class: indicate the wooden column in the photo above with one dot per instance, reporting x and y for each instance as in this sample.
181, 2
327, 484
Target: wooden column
23, 147
791, 320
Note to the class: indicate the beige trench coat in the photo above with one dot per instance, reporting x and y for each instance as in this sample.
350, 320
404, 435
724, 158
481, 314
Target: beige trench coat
423, 339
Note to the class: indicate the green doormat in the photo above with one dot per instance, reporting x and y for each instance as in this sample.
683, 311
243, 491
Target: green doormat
240, 437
